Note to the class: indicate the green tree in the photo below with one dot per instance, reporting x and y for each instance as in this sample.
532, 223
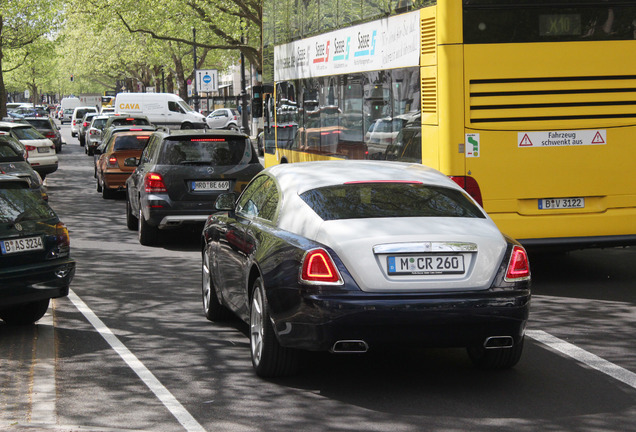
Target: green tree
22, 24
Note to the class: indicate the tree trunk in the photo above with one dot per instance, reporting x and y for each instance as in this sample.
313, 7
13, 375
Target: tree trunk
3, 90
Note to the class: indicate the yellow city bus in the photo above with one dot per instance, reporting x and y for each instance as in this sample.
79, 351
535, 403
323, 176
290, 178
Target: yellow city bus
528, 104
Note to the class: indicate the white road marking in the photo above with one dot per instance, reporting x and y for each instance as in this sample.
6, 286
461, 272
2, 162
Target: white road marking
162, 393
621, 374
43, 394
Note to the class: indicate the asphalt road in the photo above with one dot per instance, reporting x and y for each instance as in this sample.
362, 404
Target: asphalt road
130, 349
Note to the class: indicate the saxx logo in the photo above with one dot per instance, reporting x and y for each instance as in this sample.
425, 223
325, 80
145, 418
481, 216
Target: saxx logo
341, 49
322, 52
366, 44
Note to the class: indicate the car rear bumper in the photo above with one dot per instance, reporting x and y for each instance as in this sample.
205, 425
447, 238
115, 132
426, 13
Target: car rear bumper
29, 283
318, 322
46, 169
116, 180
164, 213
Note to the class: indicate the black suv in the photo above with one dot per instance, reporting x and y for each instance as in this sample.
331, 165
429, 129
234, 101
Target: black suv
181, 173
35, 262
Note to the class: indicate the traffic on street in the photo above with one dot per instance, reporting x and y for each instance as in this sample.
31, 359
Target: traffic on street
133, 347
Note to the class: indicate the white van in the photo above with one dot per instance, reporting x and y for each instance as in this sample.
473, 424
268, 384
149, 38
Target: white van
68, 103
162, 109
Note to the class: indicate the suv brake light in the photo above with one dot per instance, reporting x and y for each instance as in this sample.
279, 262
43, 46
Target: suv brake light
153, 182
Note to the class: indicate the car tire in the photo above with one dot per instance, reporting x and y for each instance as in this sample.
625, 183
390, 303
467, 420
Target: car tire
25, 314
269, 358
501, 358
213, 309
233, 127
186, 126
107, 193
99, 184
132, 223
147, 233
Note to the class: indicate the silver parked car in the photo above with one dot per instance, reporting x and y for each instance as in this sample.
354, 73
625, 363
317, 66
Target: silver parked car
350, 256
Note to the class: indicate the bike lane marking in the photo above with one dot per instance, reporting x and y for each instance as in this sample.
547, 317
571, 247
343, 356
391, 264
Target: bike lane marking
43, 391
592, 360
162, 393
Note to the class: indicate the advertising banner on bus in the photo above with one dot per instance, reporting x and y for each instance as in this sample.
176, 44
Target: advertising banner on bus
388, 43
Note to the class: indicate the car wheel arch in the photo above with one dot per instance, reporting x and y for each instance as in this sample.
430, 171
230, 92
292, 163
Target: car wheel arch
254, 274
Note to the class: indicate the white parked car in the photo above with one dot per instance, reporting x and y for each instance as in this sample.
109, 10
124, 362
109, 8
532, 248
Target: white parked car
224, 118
78, 115
40, 150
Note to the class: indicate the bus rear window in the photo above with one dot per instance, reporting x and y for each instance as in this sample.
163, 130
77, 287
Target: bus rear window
518, 21
382, 200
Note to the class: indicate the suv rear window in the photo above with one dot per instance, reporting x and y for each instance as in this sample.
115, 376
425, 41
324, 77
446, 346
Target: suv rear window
130, 142
40, 123
99, 123
8, 153
18, 203
27, 133
382, 200
82, 112
207, 151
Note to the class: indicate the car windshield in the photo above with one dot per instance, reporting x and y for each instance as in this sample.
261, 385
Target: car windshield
9, 153
18, 203
130, 142
185, 106
27, 133
206, 151
389, 199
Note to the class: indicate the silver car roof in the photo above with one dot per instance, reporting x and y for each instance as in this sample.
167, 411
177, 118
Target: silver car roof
300, 177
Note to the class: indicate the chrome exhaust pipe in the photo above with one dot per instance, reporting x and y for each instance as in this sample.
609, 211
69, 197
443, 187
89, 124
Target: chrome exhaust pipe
499, 342
350, 347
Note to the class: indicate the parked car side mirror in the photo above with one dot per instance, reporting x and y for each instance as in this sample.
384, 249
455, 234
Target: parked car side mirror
131, 162
225, 202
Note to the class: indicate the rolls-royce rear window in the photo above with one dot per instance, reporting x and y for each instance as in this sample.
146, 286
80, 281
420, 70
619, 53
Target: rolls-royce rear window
389, 199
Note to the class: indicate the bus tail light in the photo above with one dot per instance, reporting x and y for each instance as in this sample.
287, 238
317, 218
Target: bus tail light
471, 186
153, 182
518, 266
318, 268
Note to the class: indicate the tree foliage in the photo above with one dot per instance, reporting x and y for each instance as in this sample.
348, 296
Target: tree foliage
24, 24
102, 43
